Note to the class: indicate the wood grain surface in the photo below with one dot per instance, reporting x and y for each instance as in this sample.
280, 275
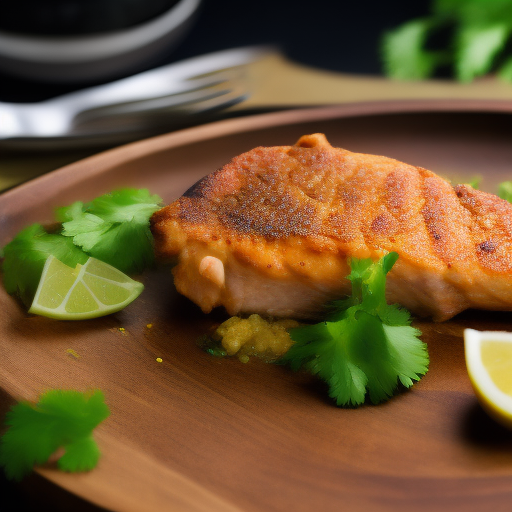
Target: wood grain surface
198, 433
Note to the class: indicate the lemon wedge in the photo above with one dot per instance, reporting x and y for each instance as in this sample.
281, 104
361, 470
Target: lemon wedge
88, 291
489, 364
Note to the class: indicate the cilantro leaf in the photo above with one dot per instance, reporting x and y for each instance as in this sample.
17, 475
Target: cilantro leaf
25, 256
114, 228
367, 347
505, 191
81, 455
469, 12
476, 48
61, 418
403, 51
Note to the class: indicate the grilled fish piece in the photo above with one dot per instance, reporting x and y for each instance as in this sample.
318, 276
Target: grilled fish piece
271, 232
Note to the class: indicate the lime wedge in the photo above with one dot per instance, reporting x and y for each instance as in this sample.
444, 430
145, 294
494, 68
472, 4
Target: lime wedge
88, 291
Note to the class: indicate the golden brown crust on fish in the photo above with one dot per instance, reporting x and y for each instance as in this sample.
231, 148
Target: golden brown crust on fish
281, 222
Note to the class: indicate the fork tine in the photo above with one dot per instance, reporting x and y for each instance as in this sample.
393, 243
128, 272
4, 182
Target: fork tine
220, 75
235, 95
165, 111
219, 85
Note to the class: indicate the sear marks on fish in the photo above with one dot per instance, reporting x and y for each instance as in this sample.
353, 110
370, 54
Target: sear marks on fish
271, 233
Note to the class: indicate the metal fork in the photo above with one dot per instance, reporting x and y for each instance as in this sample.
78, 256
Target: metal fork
196, 85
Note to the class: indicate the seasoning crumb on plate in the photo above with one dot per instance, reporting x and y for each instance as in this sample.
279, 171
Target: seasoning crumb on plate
73, 353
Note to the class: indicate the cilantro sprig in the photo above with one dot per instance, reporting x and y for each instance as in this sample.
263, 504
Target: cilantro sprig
476, 34
60, 419
114, 228
367, 347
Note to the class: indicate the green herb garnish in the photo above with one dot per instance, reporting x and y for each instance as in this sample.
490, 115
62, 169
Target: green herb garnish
476, 33
367, 346
114, 228
26, 254
60, 419
505, 191
475, 182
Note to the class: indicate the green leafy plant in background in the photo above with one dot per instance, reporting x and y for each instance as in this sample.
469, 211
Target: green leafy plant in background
477, 33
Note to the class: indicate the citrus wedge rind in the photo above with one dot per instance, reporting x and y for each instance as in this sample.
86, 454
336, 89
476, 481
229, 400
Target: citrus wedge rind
489, 364
90, 290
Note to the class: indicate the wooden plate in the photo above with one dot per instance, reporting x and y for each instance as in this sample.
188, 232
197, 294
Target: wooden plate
196, 433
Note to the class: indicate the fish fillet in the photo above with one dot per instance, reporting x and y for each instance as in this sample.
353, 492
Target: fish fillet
271, 232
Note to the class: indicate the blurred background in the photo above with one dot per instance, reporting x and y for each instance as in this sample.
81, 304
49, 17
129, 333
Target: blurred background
52, 47
336, 35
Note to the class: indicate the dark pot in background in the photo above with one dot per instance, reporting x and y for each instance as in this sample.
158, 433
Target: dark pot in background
77, 17
86, 41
